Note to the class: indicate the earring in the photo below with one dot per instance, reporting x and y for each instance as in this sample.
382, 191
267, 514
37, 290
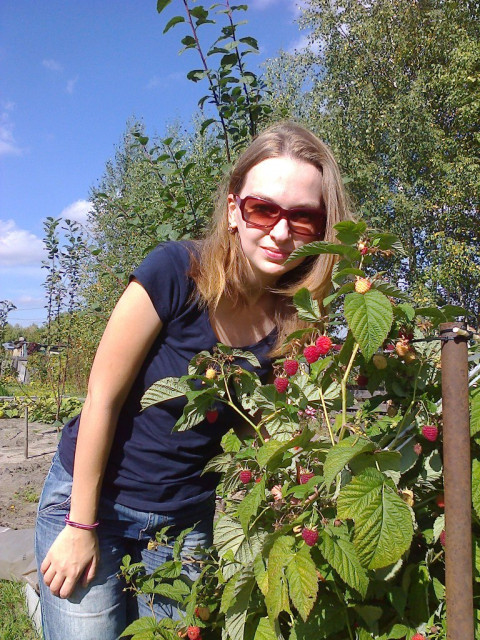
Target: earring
232, 229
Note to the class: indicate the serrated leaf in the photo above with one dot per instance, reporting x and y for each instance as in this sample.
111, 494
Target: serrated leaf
329, 616
321, 247
165, 389
341, 454
390, 290
341, 554
277, 597
228, 535
248, 507
246, 355
307, 307
302, 581
261, 575
385, 241
475, 413
144, 626
237, 612
407, 310
350, 232
369, 318
476, 486
383, 522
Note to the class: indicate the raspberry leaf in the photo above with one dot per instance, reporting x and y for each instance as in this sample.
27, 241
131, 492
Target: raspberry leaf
265, 630
341, 554
342, 453
248, 507
302, 581
316, 248
280, 556
236, 614
383, 522
369, 317
307, 307
162, 390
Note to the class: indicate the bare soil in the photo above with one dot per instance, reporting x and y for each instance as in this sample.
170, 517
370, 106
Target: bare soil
21, 478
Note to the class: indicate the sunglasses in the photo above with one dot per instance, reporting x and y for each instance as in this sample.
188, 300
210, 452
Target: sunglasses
264, 214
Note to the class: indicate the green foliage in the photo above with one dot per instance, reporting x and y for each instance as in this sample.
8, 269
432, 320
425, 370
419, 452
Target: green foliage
362, 476
43, 409
14, 622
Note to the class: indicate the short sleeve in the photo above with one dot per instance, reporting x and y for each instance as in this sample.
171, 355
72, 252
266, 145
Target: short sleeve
164, 276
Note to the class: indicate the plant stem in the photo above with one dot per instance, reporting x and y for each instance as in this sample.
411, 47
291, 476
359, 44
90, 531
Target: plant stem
231, 404
344, 390
325, 413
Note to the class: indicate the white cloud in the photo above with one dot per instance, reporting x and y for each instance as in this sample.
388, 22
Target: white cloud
8, 145
77, 211
70, 88
304, 43
18, 246
164, 81
52, 65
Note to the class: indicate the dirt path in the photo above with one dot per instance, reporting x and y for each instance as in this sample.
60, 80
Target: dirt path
21, 479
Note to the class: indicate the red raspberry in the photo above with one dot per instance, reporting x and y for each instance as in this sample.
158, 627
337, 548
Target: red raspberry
245, 476
310, 536
290, 367
193, 633
305, 477
442, 538
389, 347
311, 353
362, 380
406, 335
211, 415
337, 347
417, 447
362, 285
364, 251
430, 432
418, 636
440, 500
324, 344
281, 384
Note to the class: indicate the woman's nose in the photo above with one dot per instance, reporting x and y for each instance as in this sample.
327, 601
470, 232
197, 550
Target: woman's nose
281, 230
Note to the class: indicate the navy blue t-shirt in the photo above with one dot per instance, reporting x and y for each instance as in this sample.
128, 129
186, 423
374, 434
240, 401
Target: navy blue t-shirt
150, 468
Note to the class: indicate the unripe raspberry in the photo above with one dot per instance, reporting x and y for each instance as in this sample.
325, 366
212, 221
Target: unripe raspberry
305, 477
210, 373
362, 285
245, 476
193, 633
442, 538
211, 415
417, 447
364, 251
203, 613
311, 353
281, 384
430, 432
310, 536
402, 348
410, 356
379, 361
324, 344
290, 367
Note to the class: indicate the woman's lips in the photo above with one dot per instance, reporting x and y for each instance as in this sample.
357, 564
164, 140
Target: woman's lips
276, 254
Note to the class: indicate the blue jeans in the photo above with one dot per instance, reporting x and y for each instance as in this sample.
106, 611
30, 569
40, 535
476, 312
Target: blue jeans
102, 610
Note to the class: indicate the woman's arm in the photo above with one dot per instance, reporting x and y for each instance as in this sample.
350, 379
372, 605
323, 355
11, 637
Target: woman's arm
130, 332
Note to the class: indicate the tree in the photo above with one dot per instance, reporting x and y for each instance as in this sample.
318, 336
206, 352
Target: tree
396, 95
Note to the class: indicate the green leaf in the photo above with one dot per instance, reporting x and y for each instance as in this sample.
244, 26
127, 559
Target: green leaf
162, 390
161, 4
228, 535
321, 247
246, 355
349, 232
142, 628
383, 522
248, 507
237, 612
385, 241
350, 271
475, 413
264, 631
369, 317
171, 23
328, 617
341, 454
307, 307
280, 556
476, 486
302, 581
390, 290
406, 309
341, 554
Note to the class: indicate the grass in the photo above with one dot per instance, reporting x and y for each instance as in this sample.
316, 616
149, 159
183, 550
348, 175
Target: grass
28, 494
15, 623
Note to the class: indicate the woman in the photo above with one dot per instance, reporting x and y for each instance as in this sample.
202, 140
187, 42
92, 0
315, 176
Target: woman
131, 474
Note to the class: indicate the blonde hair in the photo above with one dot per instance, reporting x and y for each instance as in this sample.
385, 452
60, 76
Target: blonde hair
219, 267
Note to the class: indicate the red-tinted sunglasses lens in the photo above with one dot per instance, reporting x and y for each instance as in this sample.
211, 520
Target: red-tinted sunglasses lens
265, 215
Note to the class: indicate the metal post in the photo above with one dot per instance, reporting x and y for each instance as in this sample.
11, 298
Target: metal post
458, 489
26, 433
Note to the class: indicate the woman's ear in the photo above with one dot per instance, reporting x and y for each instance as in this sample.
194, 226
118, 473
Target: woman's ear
232, 211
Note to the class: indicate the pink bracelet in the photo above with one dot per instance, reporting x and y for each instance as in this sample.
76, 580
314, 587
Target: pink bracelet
77, 525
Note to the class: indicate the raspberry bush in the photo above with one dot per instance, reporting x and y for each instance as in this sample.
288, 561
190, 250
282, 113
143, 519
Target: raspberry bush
341, 533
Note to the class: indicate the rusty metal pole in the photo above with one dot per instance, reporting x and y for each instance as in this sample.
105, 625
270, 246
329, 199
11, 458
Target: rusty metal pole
457, 480
26, 433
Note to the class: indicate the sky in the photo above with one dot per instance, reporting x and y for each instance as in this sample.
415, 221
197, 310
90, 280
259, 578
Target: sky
72, 74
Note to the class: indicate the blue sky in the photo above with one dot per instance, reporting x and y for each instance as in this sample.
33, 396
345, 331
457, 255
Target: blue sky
72, 75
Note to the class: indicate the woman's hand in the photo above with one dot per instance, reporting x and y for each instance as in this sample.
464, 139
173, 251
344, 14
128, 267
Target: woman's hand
74, 555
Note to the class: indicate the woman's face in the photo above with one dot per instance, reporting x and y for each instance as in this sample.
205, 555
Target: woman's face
290, 183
